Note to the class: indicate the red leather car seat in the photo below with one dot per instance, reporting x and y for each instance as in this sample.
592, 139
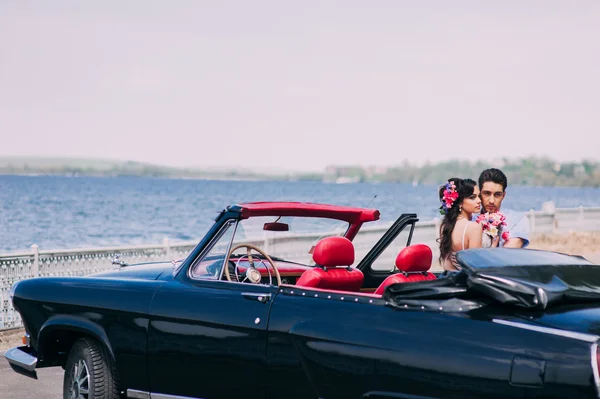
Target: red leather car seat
329, 255
414, 262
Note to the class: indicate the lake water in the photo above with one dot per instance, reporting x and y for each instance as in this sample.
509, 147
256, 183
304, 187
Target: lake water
58, 212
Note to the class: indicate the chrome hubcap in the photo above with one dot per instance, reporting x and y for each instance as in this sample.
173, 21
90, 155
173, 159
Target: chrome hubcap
80, 387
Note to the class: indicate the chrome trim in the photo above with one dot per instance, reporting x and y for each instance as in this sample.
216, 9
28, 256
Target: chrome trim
163, 396
261, 297
237, 222
118, 261
549, 330
209, 247
595, 368
21, 359
233, 282
135, 394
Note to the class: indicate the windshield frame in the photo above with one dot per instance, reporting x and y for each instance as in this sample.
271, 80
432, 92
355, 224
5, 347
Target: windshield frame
342, 229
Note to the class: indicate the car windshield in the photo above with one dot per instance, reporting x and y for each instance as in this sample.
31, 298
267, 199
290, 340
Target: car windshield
287, 238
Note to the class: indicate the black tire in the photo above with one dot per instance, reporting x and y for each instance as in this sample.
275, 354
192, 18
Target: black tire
89, 357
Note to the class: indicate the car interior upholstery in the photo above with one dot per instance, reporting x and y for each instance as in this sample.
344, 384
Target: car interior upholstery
414, 263
333, 257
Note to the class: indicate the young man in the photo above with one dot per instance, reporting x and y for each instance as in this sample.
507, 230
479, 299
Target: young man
492, 185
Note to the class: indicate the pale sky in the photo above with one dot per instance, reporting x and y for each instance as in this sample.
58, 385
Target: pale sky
299, 85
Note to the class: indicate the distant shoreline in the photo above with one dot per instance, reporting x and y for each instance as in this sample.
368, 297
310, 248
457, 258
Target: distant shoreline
140, 176
532, 172
253, 179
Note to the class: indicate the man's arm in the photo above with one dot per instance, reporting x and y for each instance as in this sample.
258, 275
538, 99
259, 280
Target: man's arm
514, 243
519, 234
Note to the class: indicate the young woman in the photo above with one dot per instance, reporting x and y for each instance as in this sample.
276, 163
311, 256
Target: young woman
460, 200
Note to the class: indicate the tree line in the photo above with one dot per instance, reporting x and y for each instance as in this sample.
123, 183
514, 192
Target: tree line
525, 171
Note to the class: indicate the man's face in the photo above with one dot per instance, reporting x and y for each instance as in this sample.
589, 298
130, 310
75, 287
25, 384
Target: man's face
491, 196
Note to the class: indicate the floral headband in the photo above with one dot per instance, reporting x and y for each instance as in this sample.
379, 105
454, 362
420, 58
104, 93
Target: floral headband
450, 195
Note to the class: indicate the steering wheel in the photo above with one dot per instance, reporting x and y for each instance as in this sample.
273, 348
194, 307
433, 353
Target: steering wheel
252, 275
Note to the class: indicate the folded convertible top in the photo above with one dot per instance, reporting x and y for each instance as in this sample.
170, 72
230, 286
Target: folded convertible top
515, 277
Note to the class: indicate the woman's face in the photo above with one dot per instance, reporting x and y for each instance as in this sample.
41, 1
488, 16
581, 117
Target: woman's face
472, 204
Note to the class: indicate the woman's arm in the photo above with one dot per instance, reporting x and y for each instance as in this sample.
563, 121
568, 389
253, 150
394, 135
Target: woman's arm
447, 265
474, 235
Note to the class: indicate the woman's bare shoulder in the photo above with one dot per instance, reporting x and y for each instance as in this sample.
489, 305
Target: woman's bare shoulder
475, 227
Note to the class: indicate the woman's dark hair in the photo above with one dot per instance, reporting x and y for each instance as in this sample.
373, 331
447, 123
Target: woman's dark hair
464, 188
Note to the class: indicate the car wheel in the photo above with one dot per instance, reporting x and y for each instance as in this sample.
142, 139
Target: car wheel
89, 372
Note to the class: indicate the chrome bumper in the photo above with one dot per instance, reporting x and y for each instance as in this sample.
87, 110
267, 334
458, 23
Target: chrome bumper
21, 360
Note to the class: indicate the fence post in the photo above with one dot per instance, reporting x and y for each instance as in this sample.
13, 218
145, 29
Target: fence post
532, 220
167, 247
266, 242
36, 260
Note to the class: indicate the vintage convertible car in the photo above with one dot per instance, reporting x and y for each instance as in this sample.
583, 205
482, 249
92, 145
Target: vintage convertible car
271, 304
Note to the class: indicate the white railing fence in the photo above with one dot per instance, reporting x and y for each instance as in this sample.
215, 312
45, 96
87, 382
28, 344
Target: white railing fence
85, 261
73, 262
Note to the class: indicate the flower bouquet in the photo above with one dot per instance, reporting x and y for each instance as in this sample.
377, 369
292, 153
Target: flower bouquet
492, 224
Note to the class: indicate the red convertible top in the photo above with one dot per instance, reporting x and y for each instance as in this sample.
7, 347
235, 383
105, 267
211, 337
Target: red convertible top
346, 213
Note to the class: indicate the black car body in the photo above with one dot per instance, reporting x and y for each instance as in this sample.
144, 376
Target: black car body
513, 323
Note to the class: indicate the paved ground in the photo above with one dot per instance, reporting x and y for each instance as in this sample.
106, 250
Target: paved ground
17, 386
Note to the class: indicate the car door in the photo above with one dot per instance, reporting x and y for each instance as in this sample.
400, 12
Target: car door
338, 345
207, 339
207, 336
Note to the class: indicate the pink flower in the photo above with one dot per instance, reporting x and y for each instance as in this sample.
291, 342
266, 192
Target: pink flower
449, 197
492, 223
505, 236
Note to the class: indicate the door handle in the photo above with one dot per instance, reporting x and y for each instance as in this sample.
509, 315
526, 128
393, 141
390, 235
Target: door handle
260, 297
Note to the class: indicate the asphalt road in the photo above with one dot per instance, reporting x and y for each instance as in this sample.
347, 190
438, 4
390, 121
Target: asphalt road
17, 386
